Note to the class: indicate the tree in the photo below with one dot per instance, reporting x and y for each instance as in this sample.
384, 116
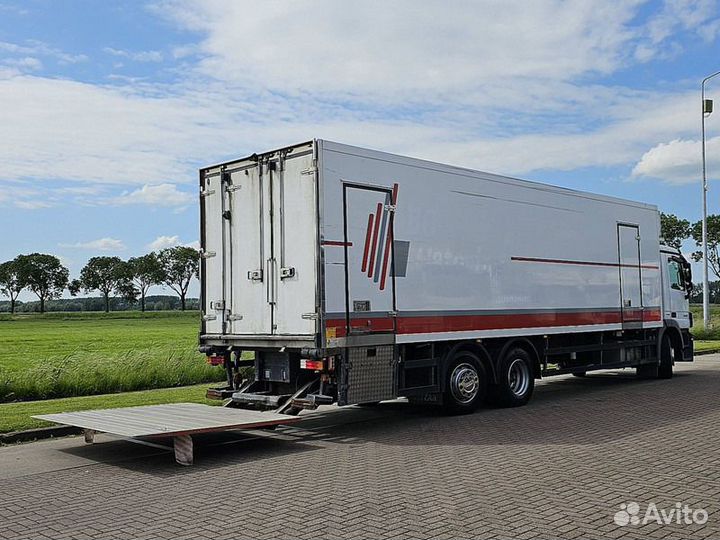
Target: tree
713, 242
105, 274
674, 230
180, 264
146, 271
42, 274
10, 283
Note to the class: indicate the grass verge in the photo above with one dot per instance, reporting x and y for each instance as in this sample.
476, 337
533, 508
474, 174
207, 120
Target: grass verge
17, 416
77, 354
84, 374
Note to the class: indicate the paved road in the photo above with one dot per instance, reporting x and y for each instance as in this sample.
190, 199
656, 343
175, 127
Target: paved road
560, 467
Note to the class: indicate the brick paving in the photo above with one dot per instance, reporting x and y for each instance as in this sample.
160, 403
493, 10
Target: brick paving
557, 468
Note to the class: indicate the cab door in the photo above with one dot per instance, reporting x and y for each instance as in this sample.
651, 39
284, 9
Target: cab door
675, 286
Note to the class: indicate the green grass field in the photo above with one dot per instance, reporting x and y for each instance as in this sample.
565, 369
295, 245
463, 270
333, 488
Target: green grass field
76, 354
706, 340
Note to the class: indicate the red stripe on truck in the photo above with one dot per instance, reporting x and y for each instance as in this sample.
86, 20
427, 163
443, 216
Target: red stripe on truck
467, 323
366, 249
582, 263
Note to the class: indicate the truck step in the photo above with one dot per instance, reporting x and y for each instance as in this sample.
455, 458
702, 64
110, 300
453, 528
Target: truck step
312, 401
220, 392
259, 400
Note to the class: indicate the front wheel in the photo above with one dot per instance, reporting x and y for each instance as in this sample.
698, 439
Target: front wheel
516, 380
665, 368
465, 384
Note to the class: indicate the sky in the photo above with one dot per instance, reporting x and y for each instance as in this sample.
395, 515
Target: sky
108, 109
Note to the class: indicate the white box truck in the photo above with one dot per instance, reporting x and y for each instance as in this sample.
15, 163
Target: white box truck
357, 276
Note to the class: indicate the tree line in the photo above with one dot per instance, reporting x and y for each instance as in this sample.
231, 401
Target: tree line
46, 277
675, 231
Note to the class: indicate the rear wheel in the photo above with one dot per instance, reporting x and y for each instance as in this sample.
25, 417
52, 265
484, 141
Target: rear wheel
665, 368
516, 380
465, 384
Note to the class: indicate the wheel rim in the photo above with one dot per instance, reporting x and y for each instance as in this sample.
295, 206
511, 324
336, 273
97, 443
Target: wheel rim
519, 377
464, 383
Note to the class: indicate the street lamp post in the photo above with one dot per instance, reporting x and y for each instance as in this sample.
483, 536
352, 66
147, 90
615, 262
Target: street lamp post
706, 110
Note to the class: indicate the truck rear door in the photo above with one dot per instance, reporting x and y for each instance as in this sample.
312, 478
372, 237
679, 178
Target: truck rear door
260, 246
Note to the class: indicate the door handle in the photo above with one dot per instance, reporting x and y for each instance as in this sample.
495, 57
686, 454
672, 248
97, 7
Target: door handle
270, 290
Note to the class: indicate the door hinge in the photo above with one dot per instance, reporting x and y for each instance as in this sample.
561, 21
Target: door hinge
207, 254
393, 313
309, 170
390, 207
234, 317
287, 272
233, 187
310, 316
255, 275
209, 317
217, 305
206, 192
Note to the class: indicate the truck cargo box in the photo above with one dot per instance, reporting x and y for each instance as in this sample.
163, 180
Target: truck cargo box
327, 245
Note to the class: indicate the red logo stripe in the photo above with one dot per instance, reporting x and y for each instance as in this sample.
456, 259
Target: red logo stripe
368, 233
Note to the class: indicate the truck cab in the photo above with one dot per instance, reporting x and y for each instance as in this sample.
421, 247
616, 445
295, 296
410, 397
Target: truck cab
676, 287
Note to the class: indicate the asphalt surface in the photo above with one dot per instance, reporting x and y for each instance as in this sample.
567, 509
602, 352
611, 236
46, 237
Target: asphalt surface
561, 467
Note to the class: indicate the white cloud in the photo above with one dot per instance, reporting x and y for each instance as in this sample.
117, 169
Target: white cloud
493, 85
24, 63
138, 56
162, 242
40, 48
679, 161
398, 50
101, 244
32, 204
158, 195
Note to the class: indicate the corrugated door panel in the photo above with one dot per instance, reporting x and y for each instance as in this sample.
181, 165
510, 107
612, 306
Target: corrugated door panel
250, 303
295, 245
213, 279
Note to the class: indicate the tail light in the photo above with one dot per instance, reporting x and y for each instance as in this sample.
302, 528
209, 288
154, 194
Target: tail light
316, 365
215, 360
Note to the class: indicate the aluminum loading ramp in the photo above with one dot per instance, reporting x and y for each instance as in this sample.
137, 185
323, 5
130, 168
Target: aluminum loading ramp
179, 420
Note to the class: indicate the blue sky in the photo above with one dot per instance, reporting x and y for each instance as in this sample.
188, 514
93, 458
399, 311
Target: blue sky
109, 108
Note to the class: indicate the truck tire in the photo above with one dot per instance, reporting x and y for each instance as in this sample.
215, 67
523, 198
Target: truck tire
665, 367
465, 384
516, 380
647, 371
